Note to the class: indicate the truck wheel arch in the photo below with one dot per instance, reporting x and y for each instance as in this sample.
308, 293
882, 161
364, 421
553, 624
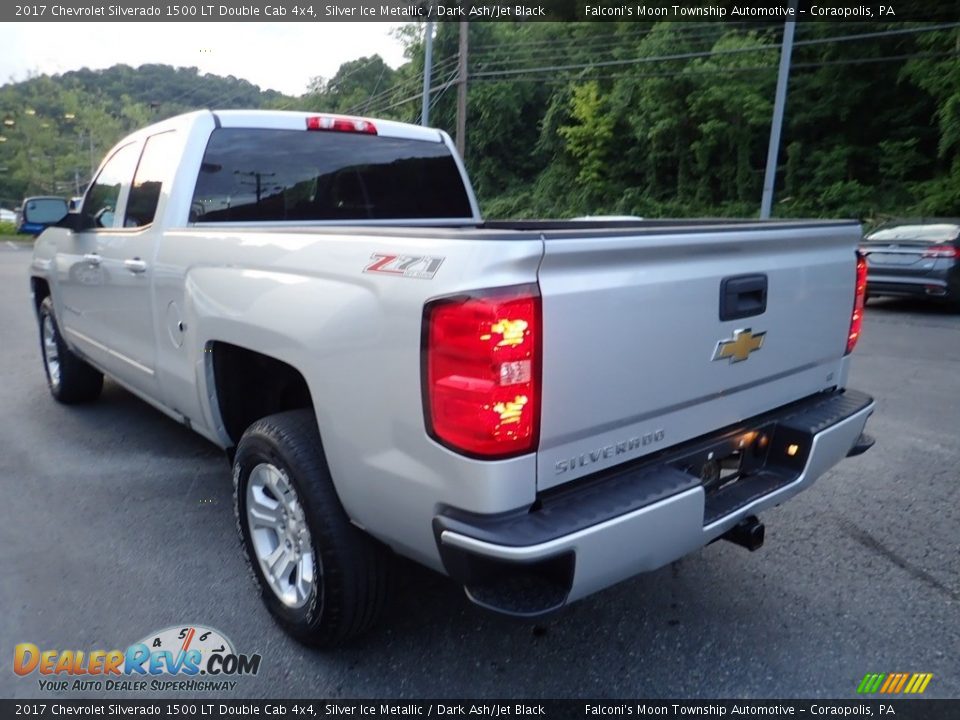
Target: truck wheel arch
40, 289
249, 385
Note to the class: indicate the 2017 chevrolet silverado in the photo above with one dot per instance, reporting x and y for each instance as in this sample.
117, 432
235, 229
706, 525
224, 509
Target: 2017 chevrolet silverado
537, 409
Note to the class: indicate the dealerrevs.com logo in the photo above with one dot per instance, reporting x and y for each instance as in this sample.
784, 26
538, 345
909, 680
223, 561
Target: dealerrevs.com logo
179, 658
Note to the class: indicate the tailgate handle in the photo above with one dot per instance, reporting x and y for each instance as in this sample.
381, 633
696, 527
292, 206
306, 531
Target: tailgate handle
743, 296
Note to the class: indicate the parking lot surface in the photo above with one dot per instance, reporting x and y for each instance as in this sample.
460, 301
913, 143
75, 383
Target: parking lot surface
117, 522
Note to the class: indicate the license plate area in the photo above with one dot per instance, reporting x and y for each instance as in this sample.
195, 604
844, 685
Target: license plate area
880, 258
746, 465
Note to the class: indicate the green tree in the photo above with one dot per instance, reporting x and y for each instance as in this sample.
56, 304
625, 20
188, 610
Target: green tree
590, 138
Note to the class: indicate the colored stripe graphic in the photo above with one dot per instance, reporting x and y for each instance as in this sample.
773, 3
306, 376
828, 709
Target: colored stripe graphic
918, 683
894, 683
903, 680
870, 683
897, 686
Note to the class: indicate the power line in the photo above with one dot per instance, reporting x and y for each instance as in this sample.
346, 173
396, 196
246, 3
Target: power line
690, 55
228, 97
587, 39
713, 53
376, 86
225, 99
447, 83
444, 86
354, 71
553, 79
399, 88
419, 95
884, 58
604, 43
384, 96
288, 103
521, 54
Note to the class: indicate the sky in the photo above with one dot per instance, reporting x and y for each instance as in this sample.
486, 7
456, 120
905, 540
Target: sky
278, 56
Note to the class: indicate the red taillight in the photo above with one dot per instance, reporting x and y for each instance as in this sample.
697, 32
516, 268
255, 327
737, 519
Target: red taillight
860, 298
943, 251
482, 371
341, 124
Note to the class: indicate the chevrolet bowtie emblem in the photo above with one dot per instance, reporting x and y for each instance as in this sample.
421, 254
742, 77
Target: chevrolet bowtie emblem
739, 347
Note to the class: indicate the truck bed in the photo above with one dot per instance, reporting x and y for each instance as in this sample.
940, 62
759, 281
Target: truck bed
507, 229
633, 328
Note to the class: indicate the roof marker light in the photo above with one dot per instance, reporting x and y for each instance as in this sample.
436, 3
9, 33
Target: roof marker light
341, 124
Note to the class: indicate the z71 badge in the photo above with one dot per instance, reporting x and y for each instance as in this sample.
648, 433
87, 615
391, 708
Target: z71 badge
422, 267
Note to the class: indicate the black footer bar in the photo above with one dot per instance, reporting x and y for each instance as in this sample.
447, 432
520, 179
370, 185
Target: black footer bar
893, 708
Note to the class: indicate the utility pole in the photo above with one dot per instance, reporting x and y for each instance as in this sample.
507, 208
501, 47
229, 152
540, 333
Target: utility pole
258, 180
779, 101
93, 168
462, 90
427, 71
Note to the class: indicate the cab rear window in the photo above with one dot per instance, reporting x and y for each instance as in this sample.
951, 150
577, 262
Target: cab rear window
280, 175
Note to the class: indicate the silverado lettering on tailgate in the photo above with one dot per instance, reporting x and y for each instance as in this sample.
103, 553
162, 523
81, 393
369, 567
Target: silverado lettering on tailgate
609, 451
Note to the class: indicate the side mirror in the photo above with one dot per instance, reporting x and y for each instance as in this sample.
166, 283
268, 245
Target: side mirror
39, 213
73, 220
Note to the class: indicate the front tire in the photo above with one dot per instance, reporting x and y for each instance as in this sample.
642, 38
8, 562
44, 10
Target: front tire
70, 379
324, 580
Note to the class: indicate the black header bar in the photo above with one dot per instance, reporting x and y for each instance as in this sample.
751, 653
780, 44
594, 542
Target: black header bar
475, 10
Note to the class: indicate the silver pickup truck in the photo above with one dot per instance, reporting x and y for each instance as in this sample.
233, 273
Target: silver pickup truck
537, 409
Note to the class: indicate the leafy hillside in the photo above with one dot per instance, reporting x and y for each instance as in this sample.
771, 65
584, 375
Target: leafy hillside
56, 129
652, 119
673, 119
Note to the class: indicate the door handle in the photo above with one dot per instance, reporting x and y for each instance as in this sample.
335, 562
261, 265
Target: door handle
135, 265
92, 258
743, 296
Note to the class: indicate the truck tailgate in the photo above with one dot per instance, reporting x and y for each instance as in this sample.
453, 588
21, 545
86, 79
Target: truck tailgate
636, 357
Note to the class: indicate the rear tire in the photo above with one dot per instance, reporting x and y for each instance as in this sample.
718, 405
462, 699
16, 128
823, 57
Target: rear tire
70, 379
324, 580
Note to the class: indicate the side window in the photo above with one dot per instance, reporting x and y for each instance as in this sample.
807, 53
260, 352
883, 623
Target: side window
157, 163
100, 203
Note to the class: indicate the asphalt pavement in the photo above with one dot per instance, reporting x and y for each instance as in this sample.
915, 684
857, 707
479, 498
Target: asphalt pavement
115, 522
